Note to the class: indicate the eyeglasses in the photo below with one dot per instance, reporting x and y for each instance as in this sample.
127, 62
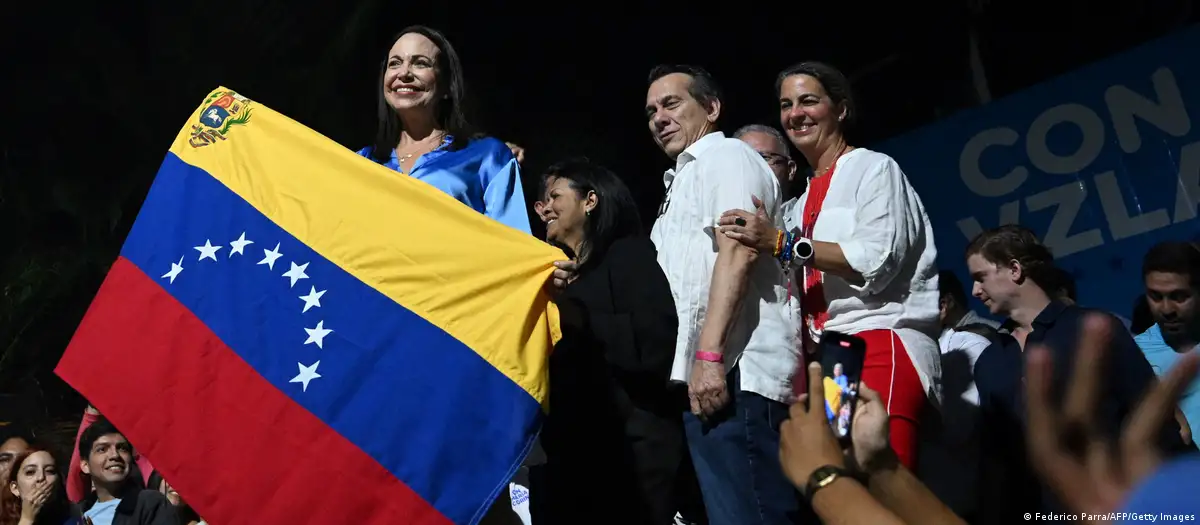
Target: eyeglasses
775, 159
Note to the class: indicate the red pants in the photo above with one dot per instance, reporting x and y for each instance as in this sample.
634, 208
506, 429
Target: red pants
887, 369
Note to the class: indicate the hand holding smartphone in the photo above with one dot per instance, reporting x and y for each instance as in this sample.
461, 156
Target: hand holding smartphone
841, 358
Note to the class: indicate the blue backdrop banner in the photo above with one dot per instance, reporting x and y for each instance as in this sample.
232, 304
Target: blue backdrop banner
1102, 163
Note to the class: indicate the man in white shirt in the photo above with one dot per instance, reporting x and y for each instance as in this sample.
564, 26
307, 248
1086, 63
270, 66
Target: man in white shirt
770, 144
737, 347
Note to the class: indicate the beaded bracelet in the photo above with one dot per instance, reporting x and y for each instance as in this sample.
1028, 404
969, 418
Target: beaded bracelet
785, 258
779, 244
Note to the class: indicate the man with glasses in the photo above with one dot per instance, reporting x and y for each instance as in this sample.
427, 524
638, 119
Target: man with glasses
769, 143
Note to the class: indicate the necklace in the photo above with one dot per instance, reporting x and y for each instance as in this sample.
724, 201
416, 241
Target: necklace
423, 149
835, 159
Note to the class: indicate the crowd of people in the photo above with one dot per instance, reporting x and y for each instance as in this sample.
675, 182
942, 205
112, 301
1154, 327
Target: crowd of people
679, 389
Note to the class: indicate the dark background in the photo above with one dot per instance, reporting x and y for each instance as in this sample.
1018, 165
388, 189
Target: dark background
93, 95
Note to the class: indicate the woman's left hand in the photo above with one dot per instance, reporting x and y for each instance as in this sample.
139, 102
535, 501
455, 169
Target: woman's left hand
564, 273
755, 230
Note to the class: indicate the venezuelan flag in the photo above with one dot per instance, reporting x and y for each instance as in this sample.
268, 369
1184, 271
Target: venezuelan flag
294, 334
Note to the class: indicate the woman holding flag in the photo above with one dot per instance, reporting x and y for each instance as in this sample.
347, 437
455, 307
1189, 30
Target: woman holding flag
424, 132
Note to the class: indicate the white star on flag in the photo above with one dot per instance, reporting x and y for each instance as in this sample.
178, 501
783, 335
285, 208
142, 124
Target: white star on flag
208, 251
317, 335
312, 299
176, 269
296, 273
269, 257
307, 373
239, 245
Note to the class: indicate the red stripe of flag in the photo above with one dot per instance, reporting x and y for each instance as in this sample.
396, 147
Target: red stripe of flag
135, 332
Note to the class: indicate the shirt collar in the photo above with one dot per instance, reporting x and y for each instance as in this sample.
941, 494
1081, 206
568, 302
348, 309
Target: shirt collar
1046, 318
1050, 314
692, 152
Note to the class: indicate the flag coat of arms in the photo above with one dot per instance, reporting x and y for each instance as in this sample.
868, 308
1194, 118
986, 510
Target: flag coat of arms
294, 334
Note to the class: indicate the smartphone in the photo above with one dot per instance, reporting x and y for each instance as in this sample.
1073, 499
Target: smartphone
841, 358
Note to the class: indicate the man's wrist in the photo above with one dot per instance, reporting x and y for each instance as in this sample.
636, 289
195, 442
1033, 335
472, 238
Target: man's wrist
885, 462
710, 356
822, 477
776, 243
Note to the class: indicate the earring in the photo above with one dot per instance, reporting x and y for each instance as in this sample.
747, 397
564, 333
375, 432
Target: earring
587, 213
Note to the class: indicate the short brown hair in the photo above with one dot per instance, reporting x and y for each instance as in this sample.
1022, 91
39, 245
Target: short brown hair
1012, 242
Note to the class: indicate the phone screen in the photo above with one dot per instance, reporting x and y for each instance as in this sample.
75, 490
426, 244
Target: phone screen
842, 362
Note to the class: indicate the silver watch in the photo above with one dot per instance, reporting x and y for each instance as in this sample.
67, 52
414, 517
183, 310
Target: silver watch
802, 250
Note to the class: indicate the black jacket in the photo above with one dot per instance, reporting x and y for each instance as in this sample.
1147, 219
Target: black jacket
614, 435
139, 507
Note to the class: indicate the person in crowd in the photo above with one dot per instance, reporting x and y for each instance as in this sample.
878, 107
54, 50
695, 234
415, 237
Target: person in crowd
613, 439
119, 497
187, 515
424, 131
1068, 446
1072, 451
33, 492
769, 143
866, 263
953, 311
13, 441
868, 485
736, 347
1013, 276
950, 453
1171, 274
78, 484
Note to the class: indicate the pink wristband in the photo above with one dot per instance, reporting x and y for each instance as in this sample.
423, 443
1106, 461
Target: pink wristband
711, 357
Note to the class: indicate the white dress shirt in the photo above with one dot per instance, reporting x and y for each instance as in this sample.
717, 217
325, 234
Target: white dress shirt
713, 175
950, 453
876, 217
789, 216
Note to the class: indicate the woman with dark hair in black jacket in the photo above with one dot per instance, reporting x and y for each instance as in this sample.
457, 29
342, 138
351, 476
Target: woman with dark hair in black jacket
613, 438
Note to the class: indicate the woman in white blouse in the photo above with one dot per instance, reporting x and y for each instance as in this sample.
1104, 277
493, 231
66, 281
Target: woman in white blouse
863, 253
